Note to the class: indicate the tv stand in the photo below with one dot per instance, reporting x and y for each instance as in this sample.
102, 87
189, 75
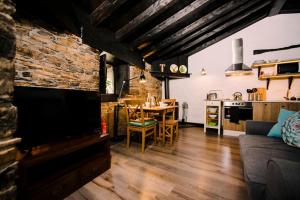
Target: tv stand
54, 171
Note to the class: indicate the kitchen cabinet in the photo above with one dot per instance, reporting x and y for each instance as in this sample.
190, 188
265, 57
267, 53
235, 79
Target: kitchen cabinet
241, 126
268, 111
213, 115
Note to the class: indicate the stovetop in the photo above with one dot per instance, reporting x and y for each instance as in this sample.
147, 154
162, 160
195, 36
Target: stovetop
232, 103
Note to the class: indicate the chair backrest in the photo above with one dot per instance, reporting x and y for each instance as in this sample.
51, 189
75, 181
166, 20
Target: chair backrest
170, 102
134, 110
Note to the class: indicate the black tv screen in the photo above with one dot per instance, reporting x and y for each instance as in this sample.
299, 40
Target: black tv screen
47, 115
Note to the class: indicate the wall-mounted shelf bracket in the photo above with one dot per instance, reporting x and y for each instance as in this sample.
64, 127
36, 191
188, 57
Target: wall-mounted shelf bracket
268, 83
290, 81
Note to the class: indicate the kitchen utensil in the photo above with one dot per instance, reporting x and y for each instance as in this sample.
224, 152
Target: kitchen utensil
212, 96
212, 109
237, 96
212, 116
174, 68
182, 69
249, 91
212, 124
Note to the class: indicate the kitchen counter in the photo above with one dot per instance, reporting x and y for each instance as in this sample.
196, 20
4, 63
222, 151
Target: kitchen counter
267, 101
274, 101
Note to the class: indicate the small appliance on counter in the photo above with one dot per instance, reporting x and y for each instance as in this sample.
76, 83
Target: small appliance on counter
257, 94
237, 96
214, 95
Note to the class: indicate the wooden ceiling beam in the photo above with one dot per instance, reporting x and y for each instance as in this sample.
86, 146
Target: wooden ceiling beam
104, 40
223, 22
277, 6
147, 15
191, 9
239, 27
104, 10
222, 27
121, 19
196, 25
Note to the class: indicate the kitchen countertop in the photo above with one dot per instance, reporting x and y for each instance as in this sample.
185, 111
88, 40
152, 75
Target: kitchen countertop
267, 101
274, 101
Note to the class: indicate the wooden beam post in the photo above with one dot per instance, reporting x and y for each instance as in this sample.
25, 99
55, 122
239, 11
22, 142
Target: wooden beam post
103, 39
277, 6
104, 10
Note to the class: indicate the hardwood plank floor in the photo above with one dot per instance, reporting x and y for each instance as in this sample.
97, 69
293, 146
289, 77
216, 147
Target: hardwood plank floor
199, 166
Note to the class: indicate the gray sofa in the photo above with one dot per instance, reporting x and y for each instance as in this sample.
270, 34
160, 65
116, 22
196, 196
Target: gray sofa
271, 167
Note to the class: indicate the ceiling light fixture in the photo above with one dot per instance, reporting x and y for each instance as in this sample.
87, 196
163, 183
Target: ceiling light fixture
203, 72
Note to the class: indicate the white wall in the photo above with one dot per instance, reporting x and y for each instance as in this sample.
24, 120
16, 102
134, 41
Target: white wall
273, 32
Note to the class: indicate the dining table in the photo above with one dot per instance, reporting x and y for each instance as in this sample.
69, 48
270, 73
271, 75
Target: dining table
161, 110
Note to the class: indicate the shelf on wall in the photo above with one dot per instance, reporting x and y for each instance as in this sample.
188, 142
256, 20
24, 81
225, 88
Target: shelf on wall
268, 78
271, 64
283, 76
163, 75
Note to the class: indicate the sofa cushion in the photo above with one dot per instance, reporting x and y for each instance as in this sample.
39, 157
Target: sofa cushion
291, 130
256, 150
282, 117
146, 123
283, 179
258, 141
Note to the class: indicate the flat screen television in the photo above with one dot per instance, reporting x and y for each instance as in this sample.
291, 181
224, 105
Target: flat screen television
47, 115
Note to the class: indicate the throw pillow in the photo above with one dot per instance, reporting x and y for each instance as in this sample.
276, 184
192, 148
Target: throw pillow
291, 130
276, 129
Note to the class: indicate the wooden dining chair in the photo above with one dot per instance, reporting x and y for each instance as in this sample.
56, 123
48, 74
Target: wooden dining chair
171, 125
137, 122
170, 102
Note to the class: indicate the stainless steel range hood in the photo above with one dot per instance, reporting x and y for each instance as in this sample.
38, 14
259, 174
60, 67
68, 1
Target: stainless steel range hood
238, 67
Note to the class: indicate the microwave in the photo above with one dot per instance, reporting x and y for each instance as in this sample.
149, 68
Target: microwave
287, 68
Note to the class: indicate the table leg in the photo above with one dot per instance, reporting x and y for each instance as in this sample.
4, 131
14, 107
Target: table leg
164, 125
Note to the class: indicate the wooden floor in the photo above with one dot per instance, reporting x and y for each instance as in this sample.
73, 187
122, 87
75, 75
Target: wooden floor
198, 167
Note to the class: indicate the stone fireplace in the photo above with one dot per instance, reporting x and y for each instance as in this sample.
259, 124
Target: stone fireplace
8, 116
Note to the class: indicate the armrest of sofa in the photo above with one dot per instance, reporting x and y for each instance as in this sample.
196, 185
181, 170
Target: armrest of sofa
283, 179
258, 127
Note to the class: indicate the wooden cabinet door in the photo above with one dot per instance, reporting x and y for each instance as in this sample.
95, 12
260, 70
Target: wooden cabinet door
266, 111
294, 106
270, 111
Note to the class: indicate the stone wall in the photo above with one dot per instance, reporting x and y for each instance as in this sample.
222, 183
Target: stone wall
152, 86
46, 58
8, 116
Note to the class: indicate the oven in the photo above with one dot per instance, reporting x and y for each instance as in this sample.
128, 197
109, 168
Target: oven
238, 110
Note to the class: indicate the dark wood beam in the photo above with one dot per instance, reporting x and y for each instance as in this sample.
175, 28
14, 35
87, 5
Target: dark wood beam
277, 6
120, 19
219, 23
196, 25
103, 39
237, 28
147, 15
104, 10
235, 20
192, 9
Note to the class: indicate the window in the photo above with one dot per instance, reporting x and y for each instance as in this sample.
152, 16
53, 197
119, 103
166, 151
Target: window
110, 79
112, 73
